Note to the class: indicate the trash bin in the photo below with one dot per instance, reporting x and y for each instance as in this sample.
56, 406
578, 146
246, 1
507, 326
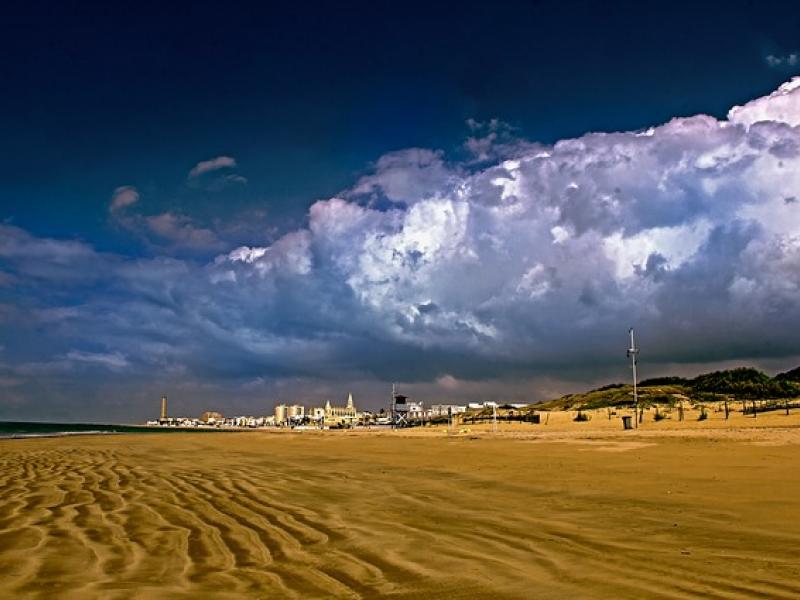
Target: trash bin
627, 422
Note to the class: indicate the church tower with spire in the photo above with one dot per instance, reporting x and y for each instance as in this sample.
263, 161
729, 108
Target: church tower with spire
338, 415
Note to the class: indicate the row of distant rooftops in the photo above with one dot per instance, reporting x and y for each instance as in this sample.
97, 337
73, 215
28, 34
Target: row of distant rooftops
329, 414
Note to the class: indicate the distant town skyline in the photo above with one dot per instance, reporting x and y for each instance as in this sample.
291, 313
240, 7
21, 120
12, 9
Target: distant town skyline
252, 206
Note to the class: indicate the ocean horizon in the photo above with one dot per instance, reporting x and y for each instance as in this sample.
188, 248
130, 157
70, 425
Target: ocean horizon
37, 429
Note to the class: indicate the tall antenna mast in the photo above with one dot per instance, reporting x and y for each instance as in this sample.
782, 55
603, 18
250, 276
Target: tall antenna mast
632, 352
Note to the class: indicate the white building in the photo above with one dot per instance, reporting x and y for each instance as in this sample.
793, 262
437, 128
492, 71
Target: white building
443, 410
407, 409
481, 405
296, 412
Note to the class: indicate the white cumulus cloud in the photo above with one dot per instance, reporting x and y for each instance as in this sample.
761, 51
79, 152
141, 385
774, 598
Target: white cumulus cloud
123, 196
212, 164
585, 234
782, 106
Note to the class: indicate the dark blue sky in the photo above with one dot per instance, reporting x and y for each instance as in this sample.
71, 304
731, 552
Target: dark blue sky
238, 205
305, 95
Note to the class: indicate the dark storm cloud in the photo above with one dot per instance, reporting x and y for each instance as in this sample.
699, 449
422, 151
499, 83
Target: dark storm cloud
440, 273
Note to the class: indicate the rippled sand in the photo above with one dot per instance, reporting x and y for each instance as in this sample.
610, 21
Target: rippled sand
259, 515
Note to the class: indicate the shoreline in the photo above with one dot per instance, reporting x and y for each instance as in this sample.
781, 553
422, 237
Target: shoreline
559, 424
39, 429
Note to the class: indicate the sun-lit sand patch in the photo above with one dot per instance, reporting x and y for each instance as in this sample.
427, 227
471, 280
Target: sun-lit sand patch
407, 514
609, 446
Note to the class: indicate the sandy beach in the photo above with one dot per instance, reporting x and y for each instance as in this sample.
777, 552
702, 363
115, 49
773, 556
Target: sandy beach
565, 510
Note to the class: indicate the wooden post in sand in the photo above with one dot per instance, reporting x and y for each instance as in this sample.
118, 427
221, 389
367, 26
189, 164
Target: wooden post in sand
726, 409
786, 406
680, 410
754, 409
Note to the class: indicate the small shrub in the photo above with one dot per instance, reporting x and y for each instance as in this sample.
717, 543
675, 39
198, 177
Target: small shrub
667, 399
581, 417
660, 416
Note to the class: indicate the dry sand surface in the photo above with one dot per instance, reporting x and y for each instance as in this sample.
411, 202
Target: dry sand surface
526, 513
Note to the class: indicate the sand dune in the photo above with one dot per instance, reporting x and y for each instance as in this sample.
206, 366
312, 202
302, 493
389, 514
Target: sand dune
258, 515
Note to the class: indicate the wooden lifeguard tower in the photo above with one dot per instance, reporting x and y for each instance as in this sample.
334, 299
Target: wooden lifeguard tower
399, 409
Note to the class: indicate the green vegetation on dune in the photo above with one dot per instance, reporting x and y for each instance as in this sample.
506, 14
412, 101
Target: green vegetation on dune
738, 384
619, 395
746, 383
